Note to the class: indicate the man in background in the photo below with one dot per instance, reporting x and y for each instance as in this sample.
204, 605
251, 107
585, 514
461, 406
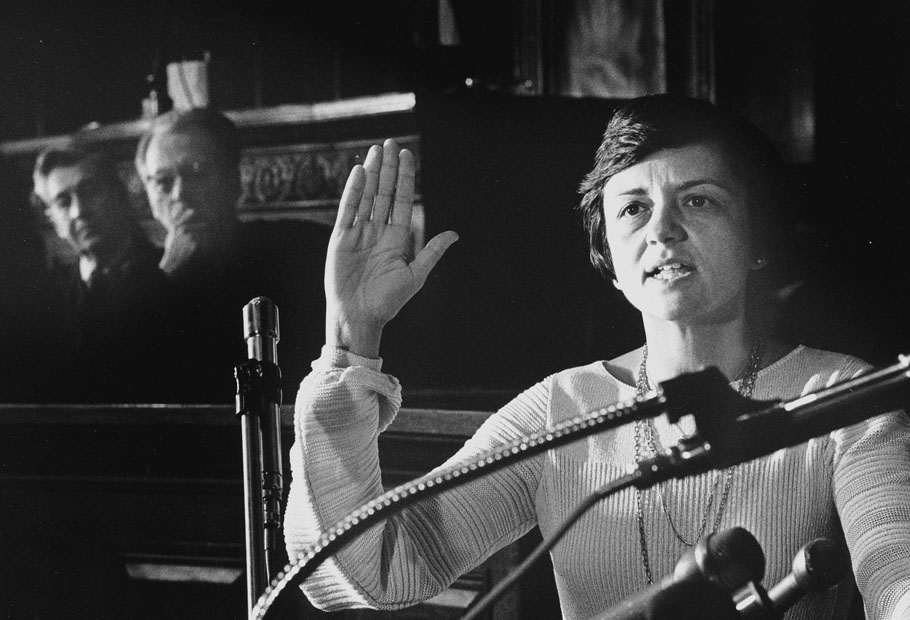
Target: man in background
103, 287
189, 163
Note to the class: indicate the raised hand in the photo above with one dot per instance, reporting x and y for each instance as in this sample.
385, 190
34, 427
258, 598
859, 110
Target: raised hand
370, 273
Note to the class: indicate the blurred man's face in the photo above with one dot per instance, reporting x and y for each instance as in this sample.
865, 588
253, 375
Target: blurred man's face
189, 187
83, 209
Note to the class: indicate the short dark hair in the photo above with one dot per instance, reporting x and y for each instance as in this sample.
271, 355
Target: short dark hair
208, 120
99, 162
648, 124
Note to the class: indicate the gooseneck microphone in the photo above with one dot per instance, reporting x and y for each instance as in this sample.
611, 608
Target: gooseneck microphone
708, 574
703, 584
819, 565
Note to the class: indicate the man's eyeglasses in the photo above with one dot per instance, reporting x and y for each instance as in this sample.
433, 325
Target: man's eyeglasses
163, 181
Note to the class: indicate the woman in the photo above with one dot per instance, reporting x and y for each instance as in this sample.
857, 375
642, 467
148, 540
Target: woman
673, 208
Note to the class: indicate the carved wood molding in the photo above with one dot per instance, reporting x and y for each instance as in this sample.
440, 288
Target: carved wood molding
297, 181
283, 179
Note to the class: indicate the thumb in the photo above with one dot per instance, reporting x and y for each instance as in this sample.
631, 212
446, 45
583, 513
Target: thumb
427, 258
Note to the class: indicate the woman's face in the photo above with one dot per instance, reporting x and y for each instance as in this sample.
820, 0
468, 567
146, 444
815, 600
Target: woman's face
677, 228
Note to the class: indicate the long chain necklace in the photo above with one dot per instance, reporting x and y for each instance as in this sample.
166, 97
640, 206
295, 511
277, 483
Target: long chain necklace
747, 378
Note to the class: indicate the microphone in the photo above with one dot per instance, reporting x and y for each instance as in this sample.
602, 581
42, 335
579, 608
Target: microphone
718, 565
260, 329
818, 565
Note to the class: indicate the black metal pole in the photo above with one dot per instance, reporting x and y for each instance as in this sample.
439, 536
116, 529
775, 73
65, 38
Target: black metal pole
259, 408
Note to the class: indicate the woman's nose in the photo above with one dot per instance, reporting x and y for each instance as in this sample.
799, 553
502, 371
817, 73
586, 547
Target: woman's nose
665, 226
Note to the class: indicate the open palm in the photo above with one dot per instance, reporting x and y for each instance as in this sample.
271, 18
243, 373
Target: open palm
370, 272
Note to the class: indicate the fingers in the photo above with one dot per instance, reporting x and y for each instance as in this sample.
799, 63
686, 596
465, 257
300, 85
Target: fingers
371, 166
350, 198
388, 175
179, 219
384, 184
427, 258
404, 189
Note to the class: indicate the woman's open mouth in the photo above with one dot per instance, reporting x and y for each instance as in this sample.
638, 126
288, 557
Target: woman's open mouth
671, 271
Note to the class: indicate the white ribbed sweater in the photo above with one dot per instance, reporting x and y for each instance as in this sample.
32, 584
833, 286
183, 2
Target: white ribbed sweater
854, 482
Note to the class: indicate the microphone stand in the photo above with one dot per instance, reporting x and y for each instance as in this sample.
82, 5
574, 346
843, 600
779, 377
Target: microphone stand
258, 402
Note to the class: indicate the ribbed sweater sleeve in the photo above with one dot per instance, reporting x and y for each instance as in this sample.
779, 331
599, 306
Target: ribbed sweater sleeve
871, 487
342, 406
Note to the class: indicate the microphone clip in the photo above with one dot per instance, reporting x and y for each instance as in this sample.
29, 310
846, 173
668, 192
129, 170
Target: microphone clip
258, 387
732, 429
706, 396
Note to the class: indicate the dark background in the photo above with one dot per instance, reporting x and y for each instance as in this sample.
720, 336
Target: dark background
515, 298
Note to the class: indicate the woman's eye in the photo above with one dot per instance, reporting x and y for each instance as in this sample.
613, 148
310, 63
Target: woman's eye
632, 209
697, 201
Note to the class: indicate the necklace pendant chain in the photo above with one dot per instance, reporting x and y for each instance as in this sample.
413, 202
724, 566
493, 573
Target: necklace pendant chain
645, 434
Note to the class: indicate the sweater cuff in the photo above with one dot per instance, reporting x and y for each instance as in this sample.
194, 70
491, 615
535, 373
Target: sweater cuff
337, 357
365, 372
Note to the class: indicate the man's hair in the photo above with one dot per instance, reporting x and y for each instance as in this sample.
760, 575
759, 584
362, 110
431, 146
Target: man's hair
216, 125
101, 165
648, 124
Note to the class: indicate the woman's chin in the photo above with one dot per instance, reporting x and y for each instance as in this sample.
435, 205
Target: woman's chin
693, 312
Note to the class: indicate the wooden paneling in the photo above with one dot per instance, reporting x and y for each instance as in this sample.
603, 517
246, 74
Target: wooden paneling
155, 494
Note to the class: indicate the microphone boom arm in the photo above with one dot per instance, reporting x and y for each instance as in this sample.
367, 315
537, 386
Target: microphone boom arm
741, 429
